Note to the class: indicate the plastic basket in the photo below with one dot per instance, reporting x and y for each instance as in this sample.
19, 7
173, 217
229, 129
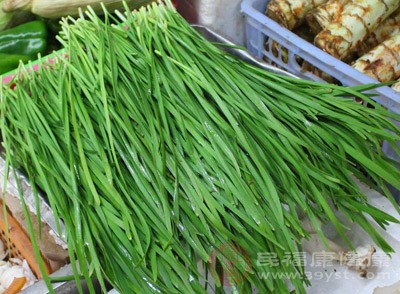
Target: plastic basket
20, 246
262, 33
20, 243
268, 40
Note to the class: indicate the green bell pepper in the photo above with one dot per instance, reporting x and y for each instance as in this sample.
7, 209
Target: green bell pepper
9, 62
27, 39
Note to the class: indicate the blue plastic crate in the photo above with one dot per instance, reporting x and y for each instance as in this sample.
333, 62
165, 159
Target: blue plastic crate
262, 32
268, 40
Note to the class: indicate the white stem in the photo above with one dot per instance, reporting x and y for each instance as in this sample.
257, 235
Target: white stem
14, 5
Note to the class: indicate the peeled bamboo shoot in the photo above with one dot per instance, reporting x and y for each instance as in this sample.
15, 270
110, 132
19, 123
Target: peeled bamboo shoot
324, 14
291, 13
388, 28
359, 18
396, 86
382, 62
60, 8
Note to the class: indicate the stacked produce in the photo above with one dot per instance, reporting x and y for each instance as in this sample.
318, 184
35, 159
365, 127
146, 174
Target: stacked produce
354, 31
382, 62
358, 18
386, 29
156, 148
290, 13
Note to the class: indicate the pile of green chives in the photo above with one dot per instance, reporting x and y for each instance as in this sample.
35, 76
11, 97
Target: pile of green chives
154, 147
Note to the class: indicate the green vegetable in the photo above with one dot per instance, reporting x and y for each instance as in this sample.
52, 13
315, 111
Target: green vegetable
27, 39
158, 150
9, 62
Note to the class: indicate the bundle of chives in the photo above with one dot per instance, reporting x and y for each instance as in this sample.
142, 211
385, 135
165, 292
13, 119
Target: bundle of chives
154, 147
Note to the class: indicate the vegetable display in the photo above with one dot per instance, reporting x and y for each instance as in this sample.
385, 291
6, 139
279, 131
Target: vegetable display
155, 148
356, 32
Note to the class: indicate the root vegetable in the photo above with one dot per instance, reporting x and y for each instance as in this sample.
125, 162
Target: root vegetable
324, 14
359, 18
291, 13
396, 86
388, 28
383, 62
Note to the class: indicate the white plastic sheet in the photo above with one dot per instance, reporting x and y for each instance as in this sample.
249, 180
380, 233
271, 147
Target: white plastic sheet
384, 270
